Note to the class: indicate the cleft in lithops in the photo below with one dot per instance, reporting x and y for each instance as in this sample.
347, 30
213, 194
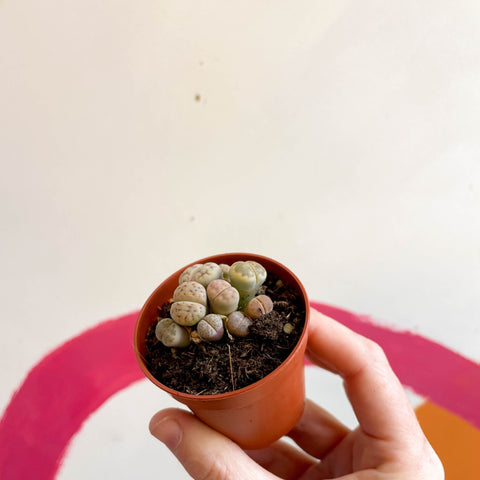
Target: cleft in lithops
223, 298
211, 327
171, 334
258, 306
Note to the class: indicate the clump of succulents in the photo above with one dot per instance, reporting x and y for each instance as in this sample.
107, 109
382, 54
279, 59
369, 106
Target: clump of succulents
213, 299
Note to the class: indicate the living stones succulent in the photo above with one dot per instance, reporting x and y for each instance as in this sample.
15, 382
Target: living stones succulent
238, 324
171, 334
210, 328
216, 290
187, 313
247, 277
259, 306
222, 296
190, 292
186, 275
225, 271
201, 273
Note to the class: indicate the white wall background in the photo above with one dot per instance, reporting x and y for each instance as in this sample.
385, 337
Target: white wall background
339, 137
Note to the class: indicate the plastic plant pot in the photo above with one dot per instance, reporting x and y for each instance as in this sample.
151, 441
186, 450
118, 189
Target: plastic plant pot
258, 414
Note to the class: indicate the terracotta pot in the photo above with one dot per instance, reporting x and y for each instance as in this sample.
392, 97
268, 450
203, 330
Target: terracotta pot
253, 416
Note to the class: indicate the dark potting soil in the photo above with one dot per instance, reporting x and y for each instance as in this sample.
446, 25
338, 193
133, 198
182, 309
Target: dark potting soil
209, 368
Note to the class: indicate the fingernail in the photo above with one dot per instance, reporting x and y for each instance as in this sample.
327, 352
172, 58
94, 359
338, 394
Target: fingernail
168, 431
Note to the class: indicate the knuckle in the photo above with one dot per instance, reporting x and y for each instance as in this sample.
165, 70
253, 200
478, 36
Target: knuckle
375, 352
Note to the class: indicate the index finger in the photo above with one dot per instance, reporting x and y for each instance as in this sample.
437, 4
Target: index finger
377, 396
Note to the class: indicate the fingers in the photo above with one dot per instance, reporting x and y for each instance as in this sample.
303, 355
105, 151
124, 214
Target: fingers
376, 394
283, 460
318, 431
203, 452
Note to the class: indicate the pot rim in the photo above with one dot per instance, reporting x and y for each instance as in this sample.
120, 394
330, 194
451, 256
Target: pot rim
218, 396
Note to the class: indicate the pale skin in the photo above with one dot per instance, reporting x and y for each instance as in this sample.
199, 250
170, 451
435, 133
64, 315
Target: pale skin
388, 444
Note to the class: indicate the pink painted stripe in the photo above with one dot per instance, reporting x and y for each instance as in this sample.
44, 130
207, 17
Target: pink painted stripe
71, 382
431, 370
60, 393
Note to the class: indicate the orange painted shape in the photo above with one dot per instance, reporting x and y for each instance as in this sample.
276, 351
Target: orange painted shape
456, 442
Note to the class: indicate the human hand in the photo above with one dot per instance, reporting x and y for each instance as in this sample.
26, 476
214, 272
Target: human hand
388, 444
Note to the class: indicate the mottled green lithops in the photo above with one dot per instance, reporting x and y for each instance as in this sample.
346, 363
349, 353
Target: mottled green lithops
211, 328
238, 324
171, 334
190, 292
259, 306
247, 277
187, 313
223, 297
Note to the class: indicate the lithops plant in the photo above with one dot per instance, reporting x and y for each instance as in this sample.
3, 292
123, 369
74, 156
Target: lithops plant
238, 324
187, 274
259, 306
201, 273
204, 287
225, 271
190, 292
187, 313
171, 334
223, 297
211, 328
247, 277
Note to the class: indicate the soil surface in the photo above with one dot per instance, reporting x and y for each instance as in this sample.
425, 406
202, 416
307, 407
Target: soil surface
210, 368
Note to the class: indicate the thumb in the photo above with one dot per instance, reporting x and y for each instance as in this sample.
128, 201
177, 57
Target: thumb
204, 452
